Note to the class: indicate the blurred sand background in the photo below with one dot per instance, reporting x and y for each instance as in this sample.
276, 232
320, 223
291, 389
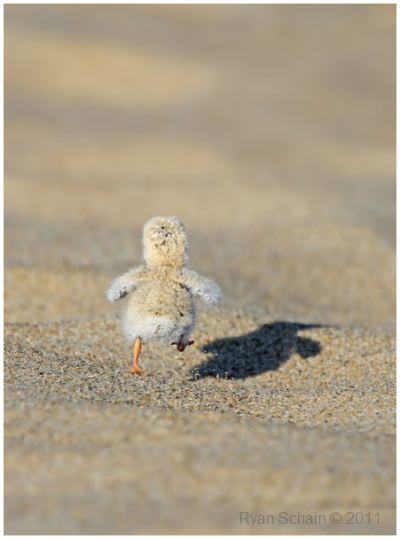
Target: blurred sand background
270, 131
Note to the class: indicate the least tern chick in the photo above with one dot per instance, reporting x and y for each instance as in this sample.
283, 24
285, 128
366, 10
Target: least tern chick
161, 293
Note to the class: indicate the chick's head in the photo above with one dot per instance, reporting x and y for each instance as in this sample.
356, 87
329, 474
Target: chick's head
165, 242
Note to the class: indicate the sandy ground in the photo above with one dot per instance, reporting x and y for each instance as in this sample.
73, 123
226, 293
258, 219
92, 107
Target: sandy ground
270, 131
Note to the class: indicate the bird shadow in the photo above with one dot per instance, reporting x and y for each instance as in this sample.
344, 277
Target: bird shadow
264, 349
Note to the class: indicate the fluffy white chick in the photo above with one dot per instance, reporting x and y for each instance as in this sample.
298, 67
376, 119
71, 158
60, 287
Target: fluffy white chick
161, 304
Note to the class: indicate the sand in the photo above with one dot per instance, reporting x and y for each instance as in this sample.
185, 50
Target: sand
270, 131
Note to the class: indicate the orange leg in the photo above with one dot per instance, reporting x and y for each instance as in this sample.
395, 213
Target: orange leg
137, 346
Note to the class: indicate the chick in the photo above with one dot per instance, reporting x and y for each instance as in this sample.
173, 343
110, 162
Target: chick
161, 304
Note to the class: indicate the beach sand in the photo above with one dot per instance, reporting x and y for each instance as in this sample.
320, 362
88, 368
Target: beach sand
270, 132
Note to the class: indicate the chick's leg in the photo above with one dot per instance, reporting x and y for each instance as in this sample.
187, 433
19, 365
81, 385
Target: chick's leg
137, 346
180, 346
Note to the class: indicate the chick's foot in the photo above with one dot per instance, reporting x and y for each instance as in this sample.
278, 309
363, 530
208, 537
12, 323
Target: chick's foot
180, 346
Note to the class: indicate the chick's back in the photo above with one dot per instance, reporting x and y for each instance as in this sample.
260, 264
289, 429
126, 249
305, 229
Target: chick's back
162, 294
